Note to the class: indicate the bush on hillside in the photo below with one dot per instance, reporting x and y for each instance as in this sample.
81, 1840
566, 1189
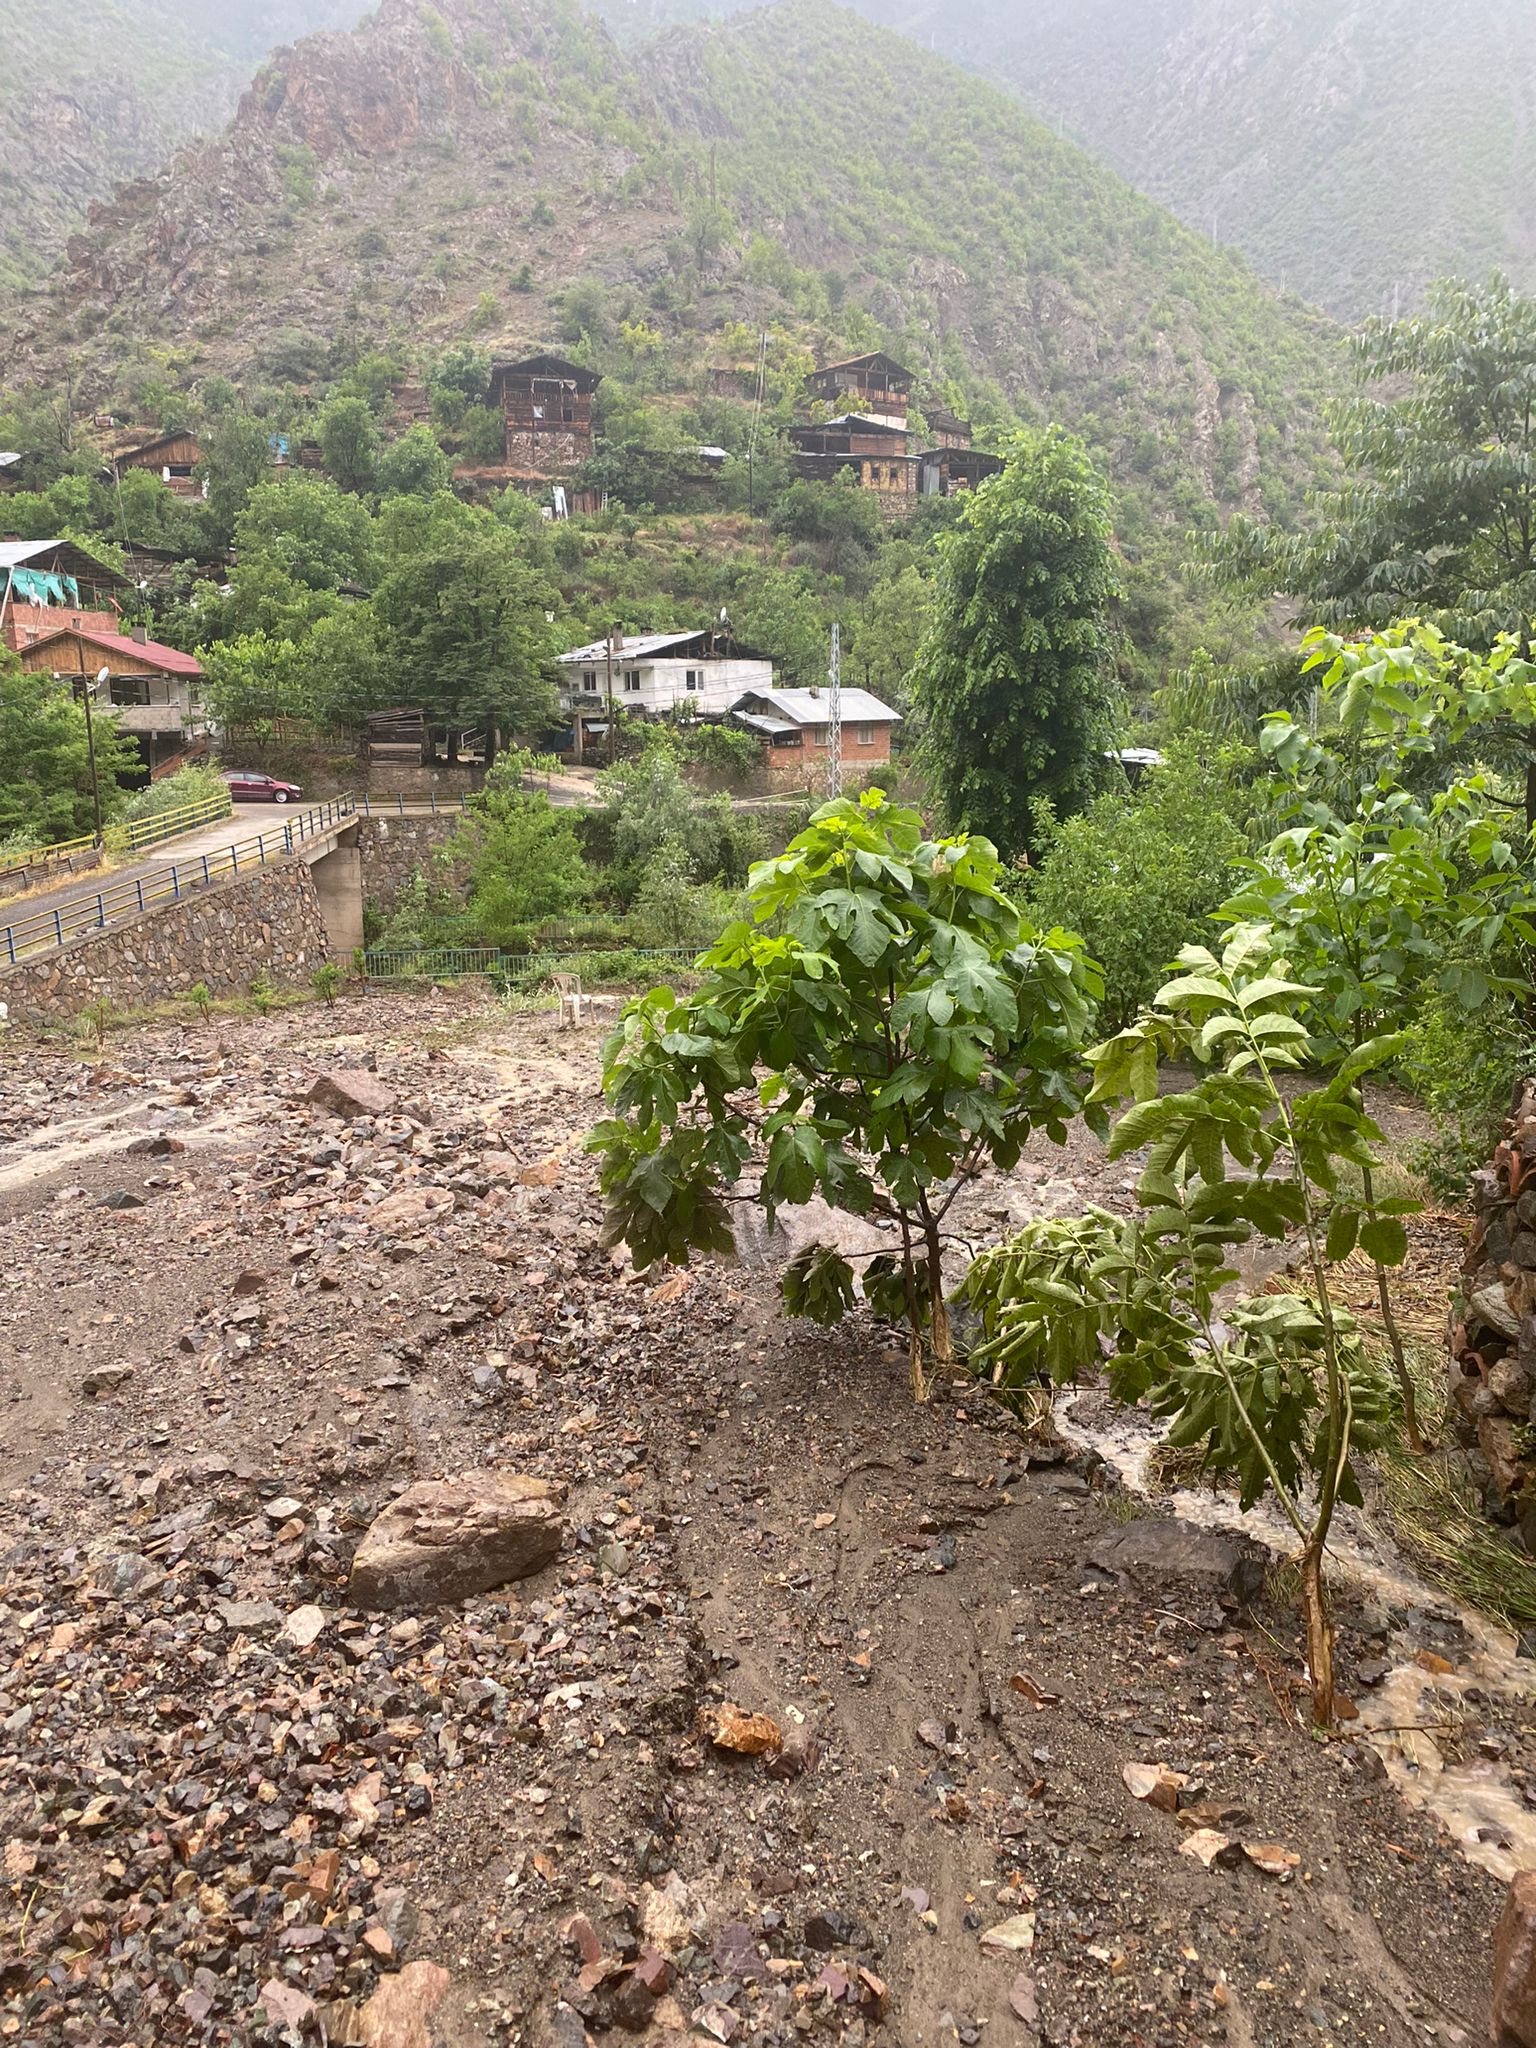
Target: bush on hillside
175, 793
1139, 872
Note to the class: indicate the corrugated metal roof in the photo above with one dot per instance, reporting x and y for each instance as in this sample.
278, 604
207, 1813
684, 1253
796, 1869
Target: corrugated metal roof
151, 652
768, 725
640, 646
814, 707
16, 554
633, 649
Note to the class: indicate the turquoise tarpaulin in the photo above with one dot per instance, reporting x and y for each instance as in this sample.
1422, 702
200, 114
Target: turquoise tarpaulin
41, 586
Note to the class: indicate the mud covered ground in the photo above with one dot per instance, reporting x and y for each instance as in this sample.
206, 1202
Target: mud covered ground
235, 1810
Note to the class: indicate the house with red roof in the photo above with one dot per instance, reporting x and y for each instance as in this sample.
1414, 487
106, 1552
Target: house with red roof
153, 692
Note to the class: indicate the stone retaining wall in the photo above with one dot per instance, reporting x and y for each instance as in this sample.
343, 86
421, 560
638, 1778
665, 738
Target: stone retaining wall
392, 849
1493, 1339
225, 936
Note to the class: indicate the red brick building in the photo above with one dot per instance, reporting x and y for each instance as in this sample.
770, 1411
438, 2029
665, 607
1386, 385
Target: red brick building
795, 727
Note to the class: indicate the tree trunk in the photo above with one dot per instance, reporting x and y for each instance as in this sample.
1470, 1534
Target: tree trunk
1314, 1609
1411, 1427
921, 1390
938, 1308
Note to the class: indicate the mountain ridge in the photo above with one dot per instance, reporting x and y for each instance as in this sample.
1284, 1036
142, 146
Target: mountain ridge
1278, 130
73, 124
499, 173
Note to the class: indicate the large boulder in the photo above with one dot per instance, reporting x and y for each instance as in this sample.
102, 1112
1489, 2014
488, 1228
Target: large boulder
1157, 1551
350, 1092
444, 1539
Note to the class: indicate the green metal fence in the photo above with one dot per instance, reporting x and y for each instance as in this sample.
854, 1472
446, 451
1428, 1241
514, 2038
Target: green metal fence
515, 970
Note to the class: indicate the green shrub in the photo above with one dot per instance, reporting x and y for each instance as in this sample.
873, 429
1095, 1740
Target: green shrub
671, 910
263, 994
1463, 1066
200, 996
174, 793
1139, 872
328, 981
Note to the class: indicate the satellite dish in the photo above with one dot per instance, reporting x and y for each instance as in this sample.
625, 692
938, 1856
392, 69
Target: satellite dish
103, 674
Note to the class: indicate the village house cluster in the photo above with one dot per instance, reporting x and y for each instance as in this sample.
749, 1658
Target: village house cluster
710, 676
870, 435
62, 611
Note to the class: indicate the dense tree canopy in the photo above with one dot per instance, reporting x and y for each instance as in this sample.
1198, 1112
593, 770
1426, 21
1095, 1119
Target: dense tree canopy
45, 773
1013, 680
1437, 517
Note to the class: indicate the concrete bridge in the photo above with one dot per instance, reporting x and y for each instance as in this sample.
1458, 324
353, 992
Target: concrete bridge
274, 895
323, 836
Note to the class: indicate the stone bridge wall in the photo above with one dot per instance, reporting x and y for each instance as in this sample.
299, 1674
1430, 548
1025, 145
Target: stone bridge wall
225, 936
392, 849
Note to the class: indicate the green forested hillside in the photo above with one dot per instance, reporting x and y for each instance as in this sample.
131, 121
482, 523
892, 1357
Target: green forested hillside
1353, 149
102, 89
470, 171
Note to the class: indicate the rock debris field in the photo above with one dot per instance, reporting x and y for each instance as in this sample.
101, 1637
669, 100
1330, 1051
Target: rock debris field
813, 1717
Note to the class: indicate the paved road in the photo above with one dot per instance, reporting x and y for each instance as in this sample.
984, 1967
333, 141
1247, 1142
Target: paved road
245, 822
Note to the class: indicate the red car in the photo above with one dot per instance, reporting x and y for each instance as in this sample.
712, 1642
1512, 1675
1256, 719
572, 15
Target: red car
260, 789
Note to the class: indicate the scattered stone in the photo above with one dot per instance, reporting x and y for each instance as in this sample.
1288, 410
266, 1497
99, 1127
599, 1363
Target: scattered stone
248, 1617
1015, 1936
120, 1198
831, 1928
304, 1627
105, 1379
1272, 1858
445, 1539
744, 1734
399, 2013
284, 2004
1210, 1847
1154, 1784
1153, 1549
1022, 2000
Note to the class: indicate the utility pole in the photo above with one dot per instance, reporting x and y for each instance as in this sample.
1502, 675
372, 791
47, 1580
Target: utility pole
757, 413
835, 717
614, 633
80, 690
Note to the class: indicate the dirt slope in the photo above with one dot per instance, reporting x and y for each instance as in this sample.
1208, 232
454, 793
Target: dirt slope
217, 1835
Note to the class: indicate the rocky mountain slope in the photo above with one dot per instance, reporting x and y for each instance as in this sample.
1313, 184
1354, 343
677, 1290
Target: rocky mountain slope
455, 171
1353, 149
101, 90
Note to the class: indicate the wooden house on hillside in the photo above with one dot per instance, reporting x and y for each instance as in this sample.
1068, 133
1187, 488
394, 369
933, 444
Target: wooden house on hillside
945, 472
152, 692
873, 450
946, 429
874, 442
875, 386
547, 405
173, 457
